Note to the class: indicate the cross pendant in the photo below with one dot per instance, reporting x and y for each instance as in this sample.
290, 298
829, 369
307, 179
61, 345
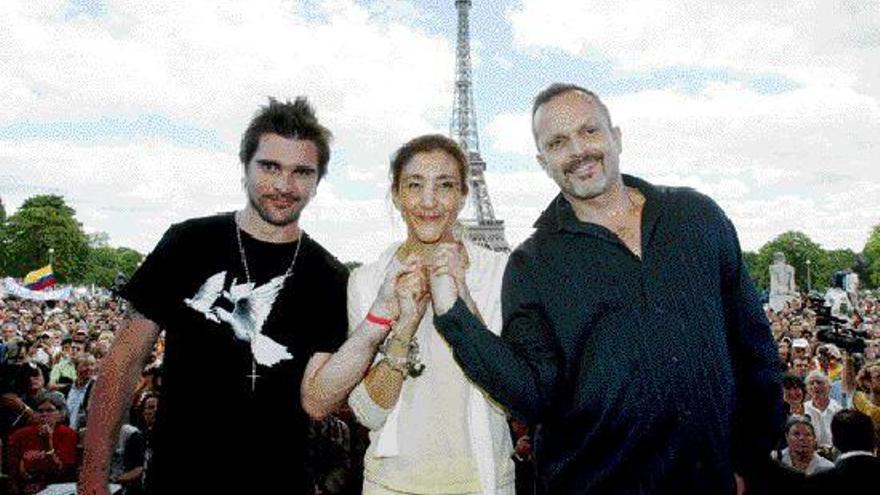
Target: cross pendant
253, 376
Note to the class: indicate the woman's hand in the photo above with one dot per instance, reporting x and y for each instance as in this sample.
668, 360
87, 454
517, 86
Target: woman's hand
386, 303
412, 299
45, 431
447, 276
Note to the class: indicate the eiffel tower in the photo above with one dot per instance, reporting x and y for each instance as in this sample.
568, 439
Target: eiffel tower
484, 230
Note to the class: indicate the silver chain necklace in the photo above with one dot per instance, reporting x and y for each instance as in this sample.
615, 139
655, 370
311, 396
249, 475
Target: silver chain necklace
247, 273
244, 263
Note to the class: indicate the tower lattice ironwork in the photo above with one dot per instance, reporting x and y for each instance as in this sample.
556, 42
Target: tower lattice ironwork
484, 229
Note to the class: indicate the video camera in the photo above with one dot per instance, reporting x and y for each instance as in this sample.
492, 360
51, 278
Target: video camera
837, 331
848, 339
824, 318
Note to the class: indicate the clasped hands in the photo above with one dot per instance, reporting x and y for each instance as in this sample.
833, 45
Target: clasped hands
436, 276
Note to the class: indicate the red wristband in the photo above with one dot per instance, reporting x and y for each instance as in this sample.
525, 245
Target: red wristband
385, 322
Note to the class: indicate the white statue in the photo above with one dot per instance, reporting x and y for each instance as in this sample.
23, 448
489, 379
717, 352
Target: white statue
782, 287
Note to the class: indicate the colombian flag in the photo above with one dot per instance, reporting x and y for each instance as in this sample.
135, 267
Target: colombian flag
40, 279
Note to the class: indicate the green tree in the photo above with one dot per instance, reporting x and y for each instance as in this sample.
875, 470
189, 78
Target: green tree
106, 262
128, 260
871, 255
52, 201
45, 222
798, 248
101, 268
839, 259
98, 239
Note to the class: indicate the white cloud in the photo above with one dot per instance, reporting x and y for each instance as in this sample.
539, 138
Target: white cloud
728, 129
374, 80
807, 40
519, 198
511, 133
211, 63
132, 191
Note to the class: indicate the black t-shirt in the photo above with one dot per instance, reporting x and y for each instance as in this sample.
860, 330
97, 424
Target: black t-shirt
215, 426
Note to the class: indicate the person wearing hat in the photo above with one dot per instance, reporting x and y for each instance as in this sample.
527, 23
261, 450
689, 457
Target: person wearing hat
800, 347
830, 361
81, 335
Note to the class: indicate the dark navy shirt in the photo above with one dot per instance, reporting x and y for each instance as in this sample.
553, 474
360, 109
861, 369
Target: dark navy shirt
652, 375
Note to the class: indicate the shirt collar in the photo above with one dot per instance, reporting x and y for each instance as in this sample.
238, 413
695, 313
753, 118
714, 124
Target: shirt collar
560, 215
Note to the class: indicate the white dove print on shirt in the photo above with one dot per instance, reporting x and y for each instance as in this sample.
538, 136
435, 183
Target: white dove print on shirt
251, 308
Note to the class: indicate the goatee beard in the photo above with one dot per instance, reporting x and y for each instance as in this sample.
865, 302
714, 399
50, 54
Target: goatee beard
284, 222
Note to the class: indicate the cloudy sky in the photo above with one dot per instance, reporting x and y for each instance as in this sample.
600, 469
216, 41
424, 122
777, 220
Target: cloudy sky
133, 110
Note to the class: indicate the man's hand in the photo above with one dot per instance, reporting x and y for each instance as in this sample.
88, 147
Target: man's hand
454, 256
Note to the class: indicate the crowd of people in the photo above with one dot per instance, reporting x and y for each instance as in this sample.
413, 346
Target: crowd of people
827, 387
50, 355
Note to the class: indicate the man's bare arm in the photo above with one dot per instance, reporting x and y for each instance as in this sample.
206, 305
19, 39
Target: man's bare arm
329, 378
114, 388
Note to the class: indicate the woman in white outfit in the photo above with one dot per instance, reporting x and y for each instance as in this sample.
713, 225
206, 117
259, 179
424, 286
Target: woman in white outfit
431, 430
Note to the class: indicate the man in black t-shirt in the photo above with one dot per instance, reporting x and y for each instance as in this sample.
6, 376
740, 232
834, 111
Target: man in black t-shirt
252, 308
